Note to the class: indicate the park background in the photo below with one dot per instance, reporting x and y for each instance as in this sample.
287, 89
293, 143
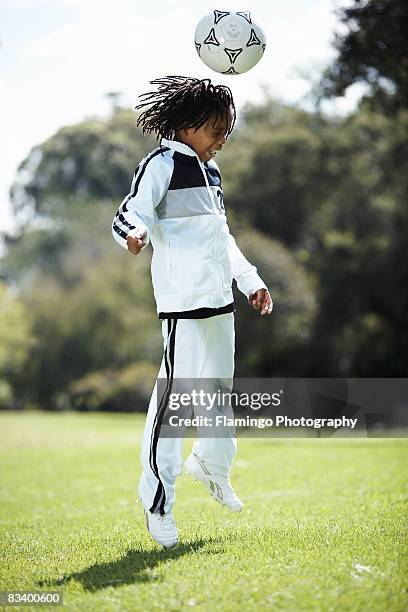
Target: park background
315, 194
315, 186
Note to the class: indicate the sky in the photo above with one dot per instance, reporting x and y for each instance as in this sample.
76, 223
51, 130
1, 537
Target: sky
58, 59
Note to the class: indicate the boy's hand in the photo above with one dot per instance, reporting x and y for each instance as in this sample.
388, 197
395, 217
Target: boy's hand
135, 240
261, 300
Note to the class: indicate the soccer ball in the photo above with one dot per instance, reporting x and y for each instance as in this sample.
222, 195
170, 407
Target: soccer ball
229, 42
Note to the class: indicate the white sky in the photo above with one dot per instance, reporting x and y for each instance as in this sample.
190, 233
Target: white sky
58, 58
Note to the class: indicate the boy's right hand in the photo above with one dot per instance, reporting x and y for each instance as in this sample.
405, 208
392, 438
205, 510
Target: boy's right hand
134, 240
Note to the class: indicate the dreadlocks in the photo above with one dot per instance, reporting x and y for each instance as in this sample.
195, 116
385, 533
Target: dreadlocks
184, 102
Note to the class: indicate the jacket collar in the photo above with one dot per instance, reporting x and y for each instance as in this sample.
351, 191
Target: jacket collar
176, 145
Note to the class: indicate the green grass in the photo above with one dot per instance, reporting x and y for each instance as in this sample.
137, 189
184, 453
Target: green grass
324, 525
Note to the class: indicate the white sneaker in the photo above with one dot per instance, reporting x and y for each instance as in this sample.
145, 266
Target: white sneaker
220, 488
162, 528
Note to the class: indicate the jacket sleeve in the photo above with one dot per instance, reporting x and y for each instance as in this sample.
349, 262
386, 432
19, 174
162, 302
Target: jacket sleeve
136, 212
244, 273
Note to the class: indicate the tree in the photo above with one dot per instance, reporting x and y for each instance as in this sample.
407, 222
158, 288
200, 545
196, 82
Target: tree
95, 311
361, 249
277, 345
94, 159
16, 341
334, 192
373, 50
317, 203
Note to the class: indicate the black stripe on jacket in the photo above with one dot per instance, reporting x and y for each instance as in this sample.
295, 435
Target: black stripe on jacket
139, 178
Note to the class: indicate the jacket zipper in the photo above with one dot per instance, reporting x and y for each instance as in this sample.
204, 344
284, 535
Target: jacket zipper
216, 213
208, 185
210, 193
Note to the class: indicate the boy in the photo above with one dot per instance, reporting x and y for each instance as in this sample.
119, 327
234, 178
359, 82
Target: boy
176, 202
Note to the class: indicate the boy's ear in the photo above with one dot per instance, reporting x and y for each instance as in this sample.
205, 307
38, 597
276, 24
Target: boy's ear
185, 133
181, 132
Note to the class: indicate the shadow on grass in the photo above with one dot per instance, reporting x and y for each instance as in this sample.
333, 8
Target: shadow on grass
135, 566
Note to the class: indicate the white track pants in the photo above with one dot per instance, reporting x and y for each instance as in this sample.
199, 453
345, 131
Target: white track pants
195, 349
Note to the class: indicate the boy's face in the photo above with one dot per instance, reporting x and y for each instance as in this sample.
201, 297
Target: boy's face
209, 138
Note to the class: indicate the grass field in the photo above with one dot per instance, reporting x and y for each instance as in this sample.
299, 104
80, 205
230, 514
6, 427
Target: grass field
324, 525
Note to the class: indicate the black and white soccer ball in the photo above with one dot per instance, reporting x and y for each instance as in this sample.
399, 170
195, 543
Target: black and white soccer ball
229, 42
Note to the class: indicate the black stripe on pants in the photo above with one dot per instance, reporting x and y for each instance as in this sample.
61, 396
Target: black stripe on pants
160, 496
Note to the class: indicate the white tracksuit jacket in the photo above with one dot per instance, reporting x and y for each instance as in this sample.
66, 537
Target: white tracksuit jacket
178, 199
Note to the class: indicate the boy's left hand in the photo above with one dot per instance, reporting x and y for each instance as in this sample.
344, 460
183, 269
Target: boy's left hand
261, 300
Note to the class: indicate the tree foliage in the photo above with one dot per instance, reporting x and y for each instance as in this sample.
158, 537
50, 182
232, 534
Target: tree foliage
92, 159
16, 342
373, 49
334, 192
318, 203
